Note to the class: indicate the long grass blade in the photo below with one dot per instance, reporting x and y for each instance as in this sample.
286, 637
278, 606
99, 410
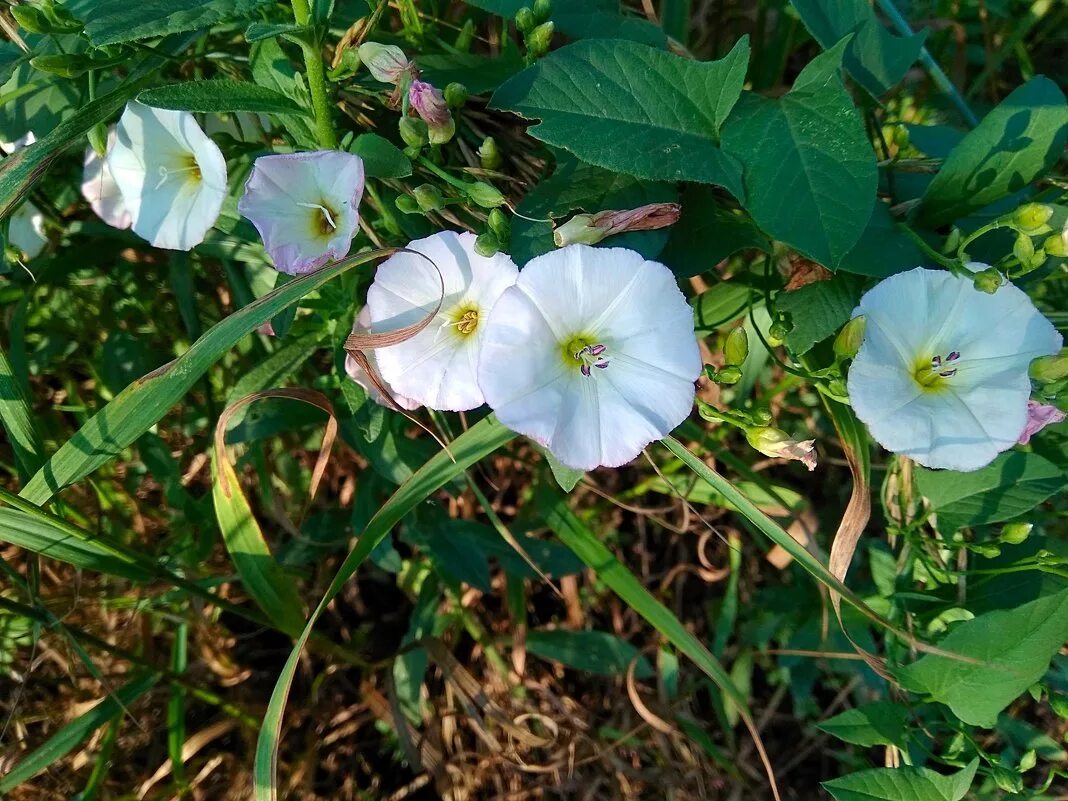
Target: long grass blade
18, 422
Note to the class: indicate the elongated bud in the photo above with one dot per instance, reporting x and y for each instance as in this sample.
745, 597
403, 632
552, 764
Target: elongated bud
1023, 248
988, 280
429, 103
524, 20
590, 229
406, 204
485, 195
539, 40
413, 131
1015, 533
428, 197
1032, 218
487, 244
1048, 369
386, 63
736, 348
777, 443
542, 9
848, 341
499, 224
489, 155
728, 375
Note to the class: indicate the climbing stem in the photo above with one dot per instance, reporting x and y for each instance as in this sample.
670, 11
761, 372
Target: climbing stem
313, 69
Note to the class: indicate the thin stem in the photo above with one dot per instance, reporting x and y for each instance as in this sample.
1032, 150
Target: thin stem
313, 68
921, 243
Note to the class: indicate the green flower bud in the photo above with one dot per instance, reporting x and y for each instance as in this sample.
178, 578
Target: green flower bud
1032, 218
542, 10
761, 416
413, 131
777, 332
524, 20
1023, 248
728, 375
1059, 704
1057, 245
778, 444
440, 134
98, 139
987, 550
952, 241
428, 197
466, 37
1048, 369
406, 204
848, 341
485, 195
539, 40
455, 95
500, 225
988, 280
1028, 760
487, 244
736, 348
1015, 533
837, 387
489, 155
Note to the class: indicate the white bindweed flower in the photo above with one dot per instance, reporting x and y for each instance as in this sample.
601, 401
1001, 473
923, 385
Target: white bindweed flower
941, 376
591, 354
437, 367
101, 191
26, 230
305, 206
362, 325
171, 175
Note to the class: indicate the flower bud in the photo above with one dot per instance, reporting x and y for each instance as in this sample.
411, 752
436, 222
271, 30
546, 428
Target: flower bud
487, 245
542, 9
1015, 533
1032, 218
952, 241
1057, 245
429, 103
849, 339
1048, 369
485, 195
414, 131
489, 155
499, 224
837, 387
728, 375
386, 63
778, 331
1023, 248
988, 280
777, 443
524, 20
455, 95
466, 37
406, 204
1039, 415
428, 197
590, 229
578, 230
539, 39
1028, 760
1059, 704
440, 134
736, 348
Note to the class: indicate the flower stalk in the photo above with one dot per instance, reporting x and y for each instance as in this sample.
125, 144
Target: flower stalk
313, 68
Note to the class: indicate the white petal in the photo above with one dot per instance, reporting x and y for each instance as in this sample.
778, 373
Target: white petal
26, 230
362, 325
436, 367
101, 191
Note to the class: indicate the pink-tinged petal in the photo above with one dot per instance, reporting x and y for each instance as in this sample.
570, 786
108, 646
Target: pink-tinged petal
1039, 415
429, 103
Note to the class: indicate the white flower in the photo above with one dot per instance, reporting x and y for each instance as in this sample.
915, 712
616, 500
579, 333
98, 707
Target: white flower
941, 376
305, 206
171, 175
386, 63
437, 367
101, 191
361, 325
26, 226
591, 354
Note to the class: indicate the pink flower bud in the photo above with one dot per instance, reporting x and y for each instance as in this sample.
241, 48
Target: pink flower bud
590, 229
429, 103
1039, 415
777, 443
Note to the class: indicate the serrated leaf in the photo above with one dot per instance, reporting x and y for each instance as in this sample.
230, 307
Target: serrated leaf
708, 232
593, 651
818, 310
113, 21
1014, 483
381, 158
875, 58
1012, 647
221, 96
810, 173
632, 109
902, 784
1018, 141
878, 723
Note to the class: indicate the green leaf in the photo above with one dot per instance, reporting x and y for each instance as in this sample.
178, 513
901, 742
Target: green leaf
586, 19
258, 31
593, 651
875, 58
478, 441
1014, 483
566, 477
883, 249
18, 421
707, 233
75, 733
721, 304
381, 158
479, 74
273, 590
818, 310
141, 405
632, 109
221, 96
902, 784
113, 21
1013, 648
271, 68
272, 372
1017, 142
810, 173
879, 723
11, 56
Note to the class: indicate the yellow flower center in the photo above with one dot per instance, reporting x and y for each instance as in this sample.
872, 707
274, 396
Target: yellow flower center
321, 219
464, 319
584, 352
932, 374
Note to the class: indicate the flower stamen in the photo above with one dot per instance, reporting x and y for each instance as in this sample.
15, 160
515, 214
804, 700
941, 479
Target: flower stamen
590, 356
929, 374
326, 223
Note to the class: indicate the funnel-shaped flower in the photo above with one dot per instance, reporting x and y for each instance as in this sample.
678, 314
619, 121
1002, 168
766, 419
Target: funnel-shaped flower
305, 206
437, 366
171, 175
362, 325
101, 191
941, 376
591, 354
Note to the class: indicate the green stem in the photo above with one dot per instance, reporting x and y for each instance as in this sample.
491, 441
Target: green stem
313, 68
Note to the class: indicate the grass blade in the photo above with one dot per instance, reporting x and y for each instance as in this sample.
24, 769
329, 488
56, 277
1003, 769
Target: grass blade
18, 422
480, 440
